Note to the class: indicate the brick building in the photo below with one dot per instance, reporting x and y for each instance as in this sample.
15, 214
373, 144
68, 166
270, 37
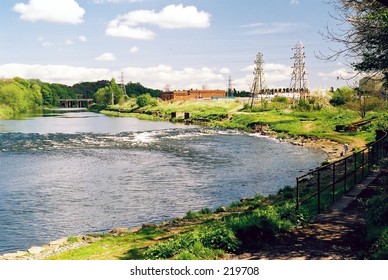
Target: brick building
192, 94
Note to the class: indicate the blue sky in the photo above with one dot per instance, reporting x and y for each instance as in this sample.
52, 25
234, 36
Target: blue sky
181, 44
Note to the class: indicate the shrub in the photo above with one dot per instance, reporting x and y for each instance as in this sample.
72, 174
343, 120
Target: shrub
167, 249
219, 237
377, 210
260, 227
199, 252
145, 100
381, 246
205, 243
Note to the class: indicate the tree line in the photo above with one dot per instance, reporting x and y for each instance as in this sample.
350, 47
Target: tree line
19, 95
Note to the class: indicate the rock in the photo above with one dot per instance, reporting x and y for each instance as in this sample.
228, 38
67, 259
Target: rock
35, 250
148, 226
119, 231
18, 254
59, 242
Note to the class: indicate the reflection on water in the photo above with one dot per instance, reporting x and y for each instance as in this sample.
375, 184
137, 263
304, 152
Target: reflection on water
75, 173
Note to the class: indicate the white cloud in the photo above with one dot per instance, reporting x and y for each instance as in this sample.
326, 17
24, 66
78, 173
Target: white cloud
261, 28
115, 1
117, 29
55, 73
154, 76
62, 11
47, 44
106, 57
170, 17
339, 74
275, 75
68, 42
134, 50
225, 70
294, 2
82, 38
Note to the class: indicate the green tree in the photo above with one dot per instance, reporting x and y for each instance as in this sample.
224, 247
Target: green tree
111, 94
366, 40
145, 100
342, 95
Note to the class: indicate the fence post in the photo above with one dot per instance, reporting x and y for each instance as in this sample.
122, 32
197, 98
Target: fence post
297, 194
346, 175
319, 191
362, 163
355, 168
333, 181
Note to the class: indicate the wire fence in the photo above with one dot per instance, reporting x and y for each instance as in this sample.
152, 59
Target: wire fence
319, 188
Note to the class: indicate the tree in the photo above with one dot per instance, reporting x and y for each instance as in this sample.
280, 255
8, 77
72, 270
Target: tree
111, 94
145, 100
366, 41
342, 95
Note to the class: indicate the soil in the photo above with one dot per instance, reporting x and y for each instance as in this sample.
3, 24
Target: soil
337, 235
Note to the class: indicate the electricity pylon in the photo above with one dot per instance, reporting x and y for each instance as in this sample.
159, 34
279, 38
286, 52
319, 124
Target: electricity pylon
122, 83
299, 81
258, 84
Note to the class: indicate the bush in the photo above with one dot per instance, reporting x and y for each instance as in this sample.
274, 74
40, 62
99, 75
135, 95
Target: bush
377, 210
199, 252
381, 246
219, 237
261, 227
145, 100
201, 244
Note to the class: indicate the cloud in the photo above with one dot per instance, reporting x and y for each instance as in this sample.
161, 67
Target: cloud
117, 29
339, 74
106, 57
61, 11
154, 76
64, 74
134, 50
225, 70
294, 2
261, 28
82, 38
68, 42
275, 75
170, 17
115, 1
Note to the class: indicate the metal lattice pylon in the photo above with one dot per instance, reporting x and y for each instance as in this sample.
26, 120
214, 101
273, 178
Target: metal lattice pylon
258, 85
122, 83
299, 81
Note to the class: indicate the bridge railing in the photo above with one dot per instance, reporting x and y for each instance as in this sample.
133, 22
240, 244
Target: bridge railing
322, 186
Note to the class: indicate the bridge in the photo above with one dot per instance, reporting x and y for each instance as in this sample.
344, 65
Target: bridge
75, 103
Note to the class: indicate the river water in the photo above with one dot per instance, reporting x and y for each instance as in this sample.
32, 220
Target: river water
68, 173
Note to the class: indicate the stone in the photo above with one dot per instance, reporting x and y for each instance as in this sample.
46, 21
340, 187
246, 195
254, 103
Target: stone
35, 250
18, 254
119, 231
59, 242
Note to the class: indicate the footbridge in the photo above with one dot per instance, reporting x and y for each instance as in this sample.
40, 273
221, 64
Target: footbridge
75, 103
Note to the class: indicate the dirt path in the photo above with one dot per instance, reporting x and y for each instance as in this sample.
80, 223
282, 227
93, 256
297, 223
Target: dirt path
337, 235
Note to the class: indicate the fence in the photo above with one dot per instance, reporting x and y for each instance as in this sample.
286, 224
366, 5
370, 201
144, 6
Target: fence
326, 184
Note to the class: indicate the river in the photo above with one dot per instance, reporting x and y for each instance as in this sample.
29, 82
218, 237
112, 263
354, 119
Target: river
67, 173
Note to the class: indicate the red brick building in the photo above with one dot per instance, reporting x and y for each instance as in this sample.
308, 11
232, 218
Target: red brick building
192, 94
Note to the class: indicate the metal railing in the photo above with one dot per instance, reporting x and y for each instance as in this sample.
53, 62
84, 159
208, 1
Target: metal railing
326, 184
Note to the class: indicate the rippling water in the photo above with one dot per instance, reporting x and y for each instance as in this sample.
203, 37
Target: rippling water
74, 173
